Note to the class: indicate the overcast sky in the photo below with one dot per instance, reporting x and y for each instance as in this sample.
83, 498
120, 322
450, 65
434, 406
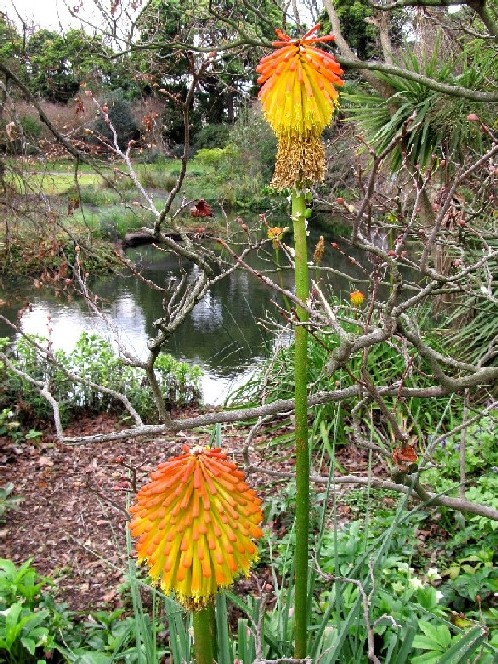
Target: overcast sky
54, 15
44, 13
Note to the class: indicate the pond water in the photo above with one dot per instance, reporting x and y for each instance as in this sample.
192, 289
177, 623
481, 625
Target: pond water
223, 333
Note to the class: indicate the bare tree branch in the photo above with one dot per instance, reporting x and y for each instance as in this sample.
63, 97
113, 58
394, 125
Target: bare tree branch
432, 84
422, 494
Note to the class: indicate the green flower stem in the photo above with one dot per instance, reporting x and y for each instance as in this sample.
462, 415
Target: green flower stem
301, 414
204, 635
280, 279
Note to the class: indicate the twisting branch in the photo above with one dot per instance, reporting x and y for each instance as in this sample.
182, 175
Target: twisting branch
417, 491
349, 61
274, 408
432, 84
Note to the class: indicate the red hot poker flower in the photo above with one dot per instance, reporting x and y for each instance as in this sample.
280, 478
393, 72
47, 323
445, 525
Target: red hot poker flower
194, 523
298, 98
299, 84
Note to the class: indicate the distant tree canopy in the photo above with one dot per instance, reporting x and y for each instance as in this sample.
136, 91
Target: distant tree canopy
56, 64
165, 25
170, 37
10, 39
10, 48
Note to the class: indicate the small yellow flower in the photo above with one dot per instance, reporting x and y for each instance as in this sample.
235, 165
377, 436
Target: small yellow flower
275, 234
356, 298
195, 522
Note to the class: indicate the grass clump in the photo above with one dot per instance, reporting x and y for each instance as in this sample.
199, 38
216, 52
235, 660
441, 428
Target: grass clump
110, 223
332, 421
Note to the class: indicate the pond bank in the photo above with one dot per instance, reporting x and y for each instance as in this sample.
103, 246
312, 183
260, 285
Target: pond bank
223, 334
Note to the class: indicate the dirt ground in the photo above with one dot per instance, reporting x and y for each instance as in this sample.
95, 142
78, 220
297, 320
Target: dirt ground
72, 518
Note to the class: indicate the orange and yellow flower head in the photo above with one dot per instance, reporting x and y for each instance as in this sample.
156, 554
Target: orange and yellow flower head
356, 298
195, 523
298, 96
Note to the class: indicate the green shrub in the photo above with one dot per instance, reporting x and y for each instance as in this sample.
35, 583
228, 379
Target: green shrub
169, 182
31, 127
215, 158
212, 136
34, 629
151, 176
94, 359
115, 221
25, 631
481, 483
481, 451
96, 196
21, 583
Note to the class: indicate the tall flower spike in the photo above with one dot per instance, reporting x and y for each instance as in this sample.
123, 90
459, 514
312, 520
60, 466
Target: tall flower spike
195, 522
299, 96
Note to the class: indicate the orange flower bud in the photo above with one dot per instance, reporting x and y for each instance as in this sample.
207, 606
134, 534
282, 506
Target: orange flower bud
275, 234
356, 298
319, 250
195, 522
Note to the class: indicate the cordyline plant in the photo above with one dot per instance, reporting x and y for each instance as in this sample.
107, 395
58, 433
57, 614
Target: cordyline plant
299, 96
195, 522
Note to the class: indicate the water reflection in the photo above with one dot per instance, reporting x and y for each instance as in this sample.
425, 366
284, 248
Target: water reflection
222, 333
